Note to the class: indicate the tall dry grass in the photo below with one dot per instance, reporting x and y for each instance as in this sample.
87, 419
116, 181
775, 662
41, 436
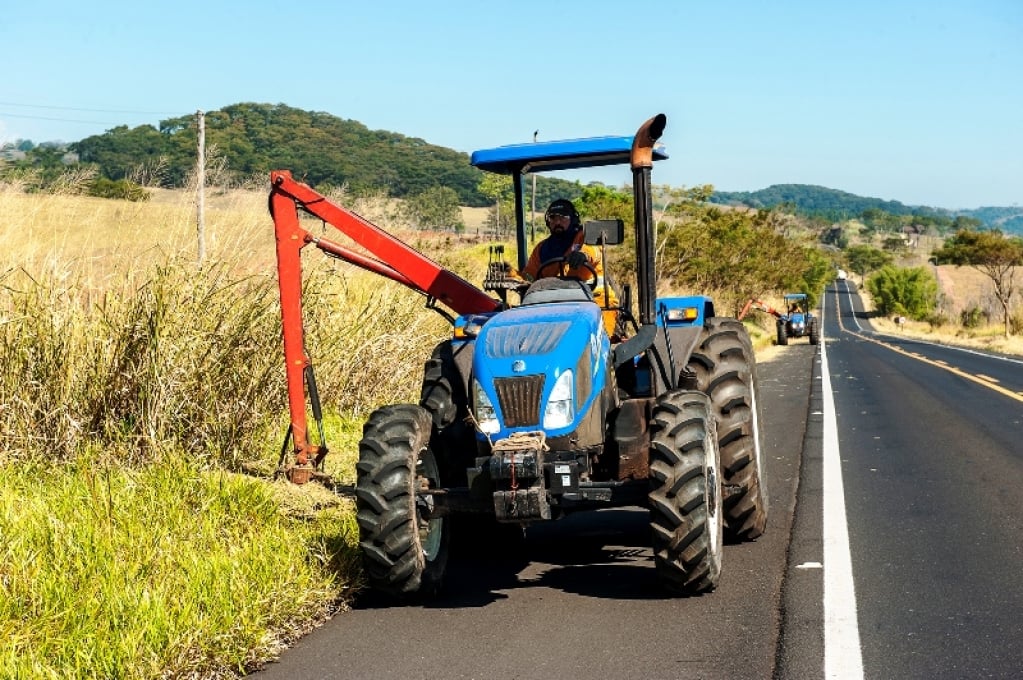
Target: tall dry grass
126, 344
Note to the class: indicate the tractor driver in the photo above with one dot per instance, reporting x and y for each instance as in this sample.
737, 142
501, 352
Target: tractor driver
565, 241
580, 261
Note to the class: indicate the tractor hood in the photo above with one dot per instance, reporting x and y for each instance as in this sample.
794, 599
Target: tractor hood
535, 368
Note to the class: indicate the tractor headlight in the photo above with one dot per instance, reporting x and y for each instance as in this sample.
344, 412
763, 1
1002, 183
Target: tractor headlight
680, 314
560, 410
486, 416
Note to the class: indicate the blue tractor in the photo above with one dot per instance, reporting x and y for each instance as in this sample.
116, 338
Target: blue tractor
797, 322
532, 410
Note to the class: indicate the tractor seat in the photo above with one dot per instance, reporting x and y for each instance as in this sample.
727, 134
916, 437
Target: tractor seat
557, 290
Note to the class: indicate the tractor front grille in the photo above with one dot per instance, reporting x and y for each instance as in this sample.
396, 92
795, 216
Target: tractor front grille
519, 398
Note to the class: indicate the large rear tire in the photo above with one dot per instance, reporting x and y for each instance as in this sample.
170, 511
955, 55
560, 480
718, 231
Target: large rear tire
685, 498
726, 371
404, 548
783, 333
815, 334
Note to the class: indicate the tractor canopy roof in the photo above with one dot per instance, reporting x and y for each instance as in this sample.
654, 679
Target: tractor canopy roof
566, 154
795, 296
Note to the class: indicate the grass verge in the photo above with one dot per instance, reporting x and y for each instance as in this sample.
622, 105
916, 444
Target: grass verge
168, 570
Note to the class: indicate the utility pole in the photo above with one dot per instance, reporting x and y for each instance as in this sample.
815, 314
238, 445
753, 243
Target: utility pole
532, 213
200, 180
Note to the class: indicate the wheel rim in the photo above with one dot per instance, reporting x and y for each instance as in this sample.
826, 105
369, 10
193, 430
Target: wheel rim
714, 526
756, 430
430, 528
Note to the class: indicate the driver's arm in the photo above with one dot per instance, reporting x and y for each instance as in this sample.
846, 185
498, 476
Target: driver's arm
532, 265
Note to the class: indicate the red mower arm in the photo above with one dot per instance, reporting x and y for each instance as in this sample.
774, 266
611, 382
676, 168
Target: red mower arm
397, 261
758, 305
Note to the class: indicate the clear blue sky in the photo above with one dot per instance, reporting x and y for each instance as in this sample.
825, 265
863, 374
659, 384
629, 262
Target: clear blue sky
919, 101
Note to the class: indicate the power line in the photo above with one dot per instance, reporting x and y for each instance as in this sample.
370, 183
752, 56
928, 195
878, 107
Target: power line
60, 120
73, 108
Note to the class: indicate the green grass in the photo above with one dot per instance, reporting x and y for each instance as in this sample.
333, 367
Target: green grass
169, 569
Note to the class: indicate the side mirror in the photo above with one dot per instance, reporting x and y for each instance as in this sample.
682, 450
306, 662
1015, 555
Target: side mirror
607, 232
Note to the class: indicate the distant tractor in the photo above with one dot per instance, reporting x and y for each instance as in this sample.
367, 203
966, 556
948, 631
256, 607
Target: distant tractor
796, 322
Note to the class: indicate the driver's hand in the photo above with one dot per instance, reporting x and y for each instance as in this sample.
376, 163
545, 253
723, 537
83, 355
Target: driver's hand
578, 259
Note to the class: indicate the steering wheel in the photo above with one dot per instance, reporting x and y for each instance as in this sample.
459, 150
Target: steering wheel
591, 282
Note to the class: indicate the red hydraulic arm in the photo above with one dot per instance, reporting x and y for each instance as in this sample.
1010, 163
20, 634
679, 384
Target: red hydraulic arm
397, 261
757, 304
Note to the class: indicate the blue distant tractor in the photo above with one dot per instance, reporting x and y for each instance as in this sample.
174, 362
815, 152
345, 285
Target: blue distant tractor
532, 409
795, 322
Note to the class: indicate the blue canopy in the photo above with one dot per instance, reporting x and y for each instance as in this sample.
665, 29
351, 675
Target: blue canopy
566, 154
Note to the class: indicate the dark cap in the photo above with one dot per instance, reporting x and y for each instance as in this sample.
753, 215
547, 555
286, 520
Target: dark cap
561, 206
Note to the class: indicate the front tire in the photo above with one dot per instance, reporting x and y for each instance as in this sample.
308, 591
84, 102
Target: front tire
685, 498
783, 333
815, 335
725, 367
404, 548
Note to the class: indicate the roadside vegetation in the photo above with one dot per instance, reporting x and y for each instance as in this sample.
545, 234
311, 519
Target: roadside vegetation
143, 407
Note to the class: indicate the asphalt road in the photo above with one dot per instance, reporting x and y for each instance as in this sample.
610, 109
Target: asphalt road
581, 599
931, 442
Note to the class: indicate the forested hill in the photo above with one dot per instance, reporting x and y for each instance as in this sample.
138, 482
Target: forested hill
321, 149
835, 205
809, 199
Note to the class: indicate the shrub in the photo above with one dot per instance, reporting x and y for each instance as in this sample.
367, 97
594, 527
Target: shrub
101, 187
973, 317
911, 292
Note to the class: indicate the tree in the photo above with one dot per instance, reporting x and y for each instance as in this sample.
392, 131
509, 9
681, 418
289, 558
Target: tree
600, 202
992, 254
436, 208
894, 244
818, 270
498, 188
735, 253
864, 259
912, 292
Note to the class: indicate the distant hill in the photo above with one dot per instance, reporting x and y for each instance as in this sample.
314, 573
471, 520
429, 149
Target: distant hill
250, 140
1006, 219
322, 149
836, 206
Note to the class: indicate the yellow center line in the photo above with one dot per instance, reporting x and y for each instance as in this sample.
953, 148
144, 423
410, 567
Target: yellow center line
985, 381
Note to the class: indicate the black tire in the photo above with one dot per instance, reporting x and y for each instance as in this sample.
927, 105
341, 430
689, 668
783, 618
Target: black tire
783, 334
726, 371
443, 395
685, 497
439, 395
815, 336
404, 550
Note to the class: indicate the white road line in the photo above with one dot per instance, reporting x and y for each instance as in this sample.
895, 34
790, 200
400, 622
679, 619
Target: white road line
842, 654
852, 307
